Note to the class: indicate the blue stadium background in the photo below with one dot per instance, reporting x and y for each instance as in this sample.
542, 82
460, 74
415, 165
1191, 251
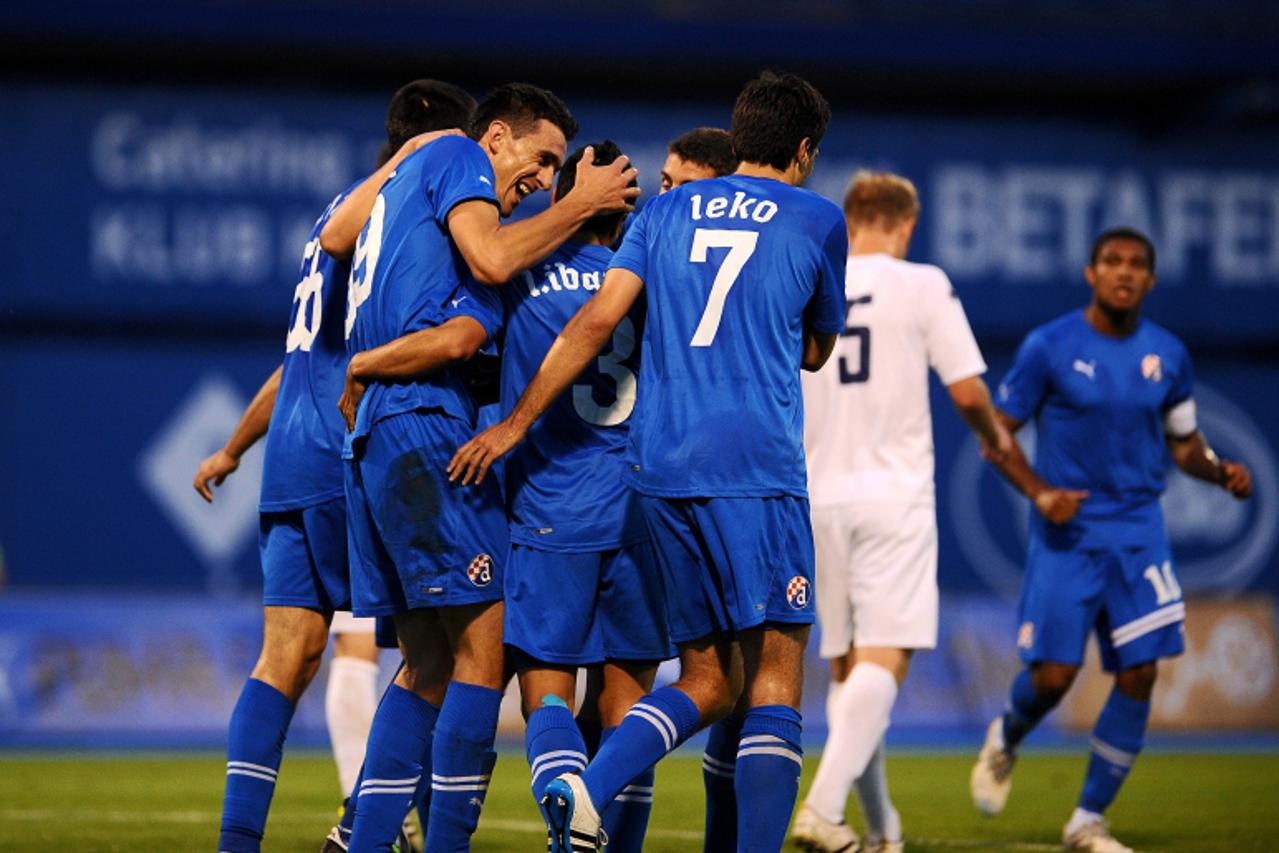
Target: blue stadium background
164, 160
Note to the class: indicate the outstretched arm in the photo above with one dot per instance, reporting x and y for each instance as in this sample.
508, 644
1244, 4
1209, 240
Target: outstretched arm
579, 342
339, 235
1055, 504
409, 357
1192, 454
496, 252
252, 426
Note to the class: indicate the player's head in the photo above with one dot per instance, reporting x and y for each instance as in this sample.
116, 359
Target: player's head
703, 152
779, 121
1121, 269
606, 226
882, 207
525, 131
423, 106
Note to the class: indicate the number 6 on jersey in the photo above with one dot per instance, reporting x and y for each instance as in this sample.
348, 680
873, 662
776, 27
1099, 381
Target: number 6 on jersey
740, 245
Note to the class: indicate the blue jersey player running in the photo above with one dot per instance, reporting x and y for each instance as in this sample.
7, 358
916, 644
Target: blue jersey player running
578, 582
744, 284
303, 515
423, 550
1111, 397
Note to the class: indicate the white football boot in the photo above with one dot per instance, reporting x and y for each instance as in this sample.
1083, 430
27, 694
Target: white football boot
1093, 836
813, 832
991, 779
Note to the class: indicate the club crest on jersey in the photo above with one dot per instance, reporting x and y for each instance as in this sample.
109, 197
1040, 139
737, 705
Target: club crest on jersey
1026, 635
480, 570
1152, 368
799, 592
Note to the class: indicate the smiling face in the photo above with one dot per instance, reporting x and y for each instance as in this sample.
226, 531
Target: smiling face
1121, 276
523, 163
677, 171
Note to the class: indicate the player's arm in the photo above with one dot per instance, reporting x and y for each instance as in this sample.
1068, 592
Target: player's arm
496, 252
340, 234
579, 342
409, 357
252, 426
972, 400
1191, 453
1055, 504
817, 349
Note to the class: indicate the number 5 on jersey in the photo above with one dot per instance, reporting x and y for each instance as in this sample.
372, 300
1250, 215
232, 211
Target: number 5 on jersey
740, 245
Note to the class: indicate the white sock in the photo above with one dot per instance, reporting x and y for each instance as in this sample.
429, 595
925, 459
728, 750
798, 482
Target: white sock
857, 723
350, 698
1081, 817
882, 821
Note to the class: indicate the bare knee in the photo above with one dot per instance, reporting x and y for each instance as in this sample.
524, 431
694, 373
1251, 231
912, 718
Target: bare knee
293, 642
774, 662
1052, 680
1137, 682
361, 645
705, 667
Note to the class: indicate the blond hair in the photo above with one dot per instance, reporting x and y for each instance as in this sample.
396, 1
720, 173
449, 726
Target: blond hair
880, 197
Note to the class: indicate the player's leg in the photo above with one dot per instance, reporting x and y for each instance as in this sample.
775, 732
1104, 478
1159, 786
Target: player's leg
462, 756
625, 819
588, 716
553, 743
351, 694
719, 767
293, 639
1062, 599
883, 823
398, 756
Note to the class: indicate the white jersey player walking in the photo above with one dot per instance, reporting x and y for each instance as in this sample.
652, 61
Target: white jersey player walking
868, 436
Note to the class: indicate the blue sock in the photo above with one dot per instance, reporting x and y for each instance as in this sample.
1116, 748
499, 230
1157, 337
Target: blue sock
423, 796
461, 763
591, 734
399, 746
255, 744
1025, 709
769, 763
654, 726
347, 820
626, 818
553, 744
719, 763
1116, 741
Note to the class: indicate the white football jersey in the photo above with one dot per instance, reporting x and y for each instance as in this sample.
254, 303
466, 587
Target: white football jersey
868, 431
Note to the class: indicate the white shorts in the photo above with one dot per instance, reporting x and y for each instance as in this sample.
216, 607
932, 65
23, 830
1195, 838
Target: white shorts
344, 623
876, 576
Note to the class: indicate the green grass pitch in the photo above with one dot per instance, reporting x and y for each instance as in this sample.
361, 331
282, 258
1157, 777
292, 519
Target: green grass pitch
64, 801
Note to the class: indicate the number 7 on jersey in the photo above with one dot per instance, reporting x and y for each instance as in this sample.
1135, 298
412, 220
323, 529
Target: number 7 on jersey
740, 245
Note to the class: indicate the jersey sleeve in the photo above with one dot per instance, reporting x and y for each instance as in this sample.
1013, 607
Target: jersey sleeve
1026, 384
1181, 385
632, 255
459, 171
480, 303
952, 350
825, 312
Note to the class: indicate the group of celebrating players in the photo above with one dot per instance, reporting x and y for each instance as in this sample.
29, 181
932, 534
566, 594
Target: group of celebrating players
644, 492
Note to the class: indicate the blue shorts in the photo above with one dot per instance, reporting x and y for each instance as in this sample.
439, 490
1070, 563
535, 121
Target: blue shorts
585, 608
415, 539
729, 564
1128, 595
304, 561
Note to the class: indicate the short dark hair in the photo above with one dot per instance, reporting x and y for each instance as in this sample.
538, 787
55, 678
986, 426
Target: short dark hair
773, 114
426, 105
711, 147
605, 224
1122, 232
522, 105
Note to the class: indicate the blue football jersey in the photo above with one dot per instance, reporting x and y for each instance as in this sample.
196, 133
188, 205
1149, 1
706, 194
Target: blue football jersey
408, 275
564, 484
302, 465
1098, 404
733, 268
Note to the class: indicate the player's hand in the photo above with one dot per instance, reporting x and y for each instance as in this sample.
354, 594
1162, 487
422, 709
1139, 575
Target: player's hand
215, 468
1236, 479
1060, 505
606, 188
473, 459
424, 139
352, 391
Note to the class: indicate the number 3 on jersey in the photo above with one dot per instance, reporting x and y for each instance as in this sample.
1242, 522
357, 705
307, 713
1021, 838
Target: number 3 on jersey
610, 364
364, 263
740, 245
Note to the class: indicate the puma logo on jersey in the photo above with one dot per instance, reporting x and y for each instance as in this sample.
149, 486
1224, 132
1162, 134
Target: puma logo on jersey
742, 207
459, 300
484, 180
1087, 368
